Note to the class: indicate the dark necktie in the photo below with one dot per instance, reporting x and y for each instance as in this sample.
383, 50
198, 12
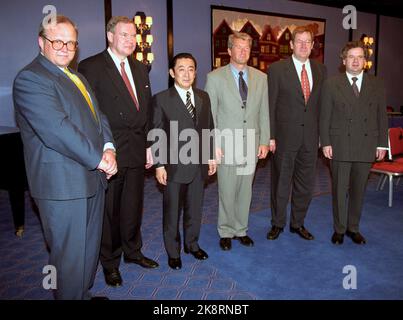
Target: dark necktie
355, 87
189, 105
243, 88
128, 85
306, 89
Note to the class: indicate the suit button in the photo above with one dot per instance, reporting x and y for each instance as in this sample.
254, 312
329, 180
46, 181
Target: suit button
366, 134
351, 120
244, 121
348, 135
305, 110
242, 107
302, 125
365, 120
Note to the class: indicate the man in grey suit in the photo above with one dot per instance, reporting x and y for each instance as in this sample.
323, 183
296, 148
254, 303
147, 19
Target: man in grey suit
353, 133
69, 154
239, 103
294, 85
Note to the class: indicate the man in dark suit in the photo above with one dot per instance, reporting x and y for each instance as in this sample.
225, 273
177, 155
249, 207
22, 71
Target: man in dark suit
67, 143
183, 173
353, 133
122, 87
294, 90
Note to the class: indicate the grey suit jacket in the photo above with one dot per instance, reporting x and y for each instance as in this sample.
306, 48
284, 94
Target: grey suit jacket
294, 124
232, 119
63, 143
354, 127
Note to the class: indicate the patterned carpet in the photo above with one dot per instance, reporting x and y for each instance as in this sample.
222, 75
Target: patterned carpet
23, 259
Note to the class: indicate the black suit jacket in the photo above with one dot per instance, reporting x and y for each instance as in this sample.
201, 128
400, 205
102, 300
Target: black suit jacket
168, 108
129, 126
354, 127
292, 124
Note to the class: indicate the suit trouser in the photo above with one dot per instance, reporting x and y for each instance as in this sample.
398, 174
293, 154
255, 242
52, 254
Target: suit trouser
234, 198
296, 168
123, 216
349, 179
189, 197
73, 231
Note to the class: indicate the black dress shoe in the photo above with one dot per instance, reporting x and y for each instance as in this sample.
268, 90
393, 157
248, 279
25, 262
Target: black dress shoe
302, 232
99, 298
175, 263
356, 237
112, 277
225, 244
143, 262
274, 233
337, 238
246, 241
199, 254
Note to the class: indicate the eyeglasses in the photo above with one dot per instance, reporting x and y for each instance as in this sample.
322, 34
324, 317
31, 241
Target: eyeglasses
59, 44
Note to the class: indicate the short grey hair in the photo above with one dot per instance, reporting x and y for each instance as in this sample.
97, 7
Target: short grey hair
238, 35
110, 27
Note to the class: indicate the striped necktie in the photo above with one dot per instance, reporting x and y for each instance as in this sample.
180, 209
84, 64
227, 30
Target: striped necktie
189, 106
82, 89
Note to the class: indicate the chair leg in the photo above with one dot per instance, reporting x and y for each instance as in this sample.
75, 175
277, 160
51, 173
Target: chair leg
383, 181
390, 190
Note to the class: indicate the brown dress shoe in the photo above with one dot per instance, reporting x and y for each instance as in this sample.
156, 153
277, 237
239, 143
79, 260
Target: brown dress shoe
225, 244
112, 277
143, 262
274, 233
245, 240
302, 232
199, 254
337, 238
356, 237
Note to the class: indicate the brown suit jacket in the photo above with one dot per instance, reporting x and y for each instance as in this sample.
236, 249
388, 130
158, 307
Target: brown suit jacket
354, 127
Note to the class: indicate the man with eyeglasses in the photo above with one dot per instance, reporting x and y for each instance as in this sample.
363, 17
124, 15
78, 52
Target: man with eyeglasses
69, 156
294, 90
122, 87
353, 133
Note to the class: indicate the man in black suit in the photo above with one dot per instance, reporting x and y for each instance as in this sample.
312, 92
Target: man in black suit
189, 110
122, 87
294, 91
353, 133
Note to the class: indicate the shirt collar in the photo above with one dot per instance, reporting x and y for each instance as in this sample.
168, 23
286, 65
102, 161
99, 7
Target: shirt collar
359, 76
299, 64
116, 60
182, 92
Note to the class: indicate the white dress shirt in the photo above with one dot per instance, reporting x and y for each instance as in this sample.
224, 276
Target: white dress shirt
298, 66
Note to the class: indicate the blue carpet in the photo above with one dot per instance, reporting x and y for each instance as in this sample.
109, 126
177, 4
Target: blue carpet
288, 268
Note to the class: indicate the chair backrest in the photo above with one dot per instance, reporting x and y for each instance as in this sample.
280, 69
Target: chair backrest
395, 142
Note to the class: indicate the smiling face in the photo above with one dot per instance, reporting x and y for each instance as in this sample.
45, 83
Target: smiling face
354, 61
61, 31
123, 40
184, 73
302, 46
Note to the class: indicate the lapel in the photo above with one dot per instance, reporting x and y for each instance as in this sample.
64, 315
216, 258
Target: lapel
366, 89
198, 105
177, 103
315, 77
292, 75
117, 80
229, 79
252, 88
137, 81
347, 90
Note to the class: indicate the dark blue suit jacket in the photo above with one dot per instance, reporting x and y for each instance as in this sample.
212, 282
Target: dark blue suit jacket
63, 143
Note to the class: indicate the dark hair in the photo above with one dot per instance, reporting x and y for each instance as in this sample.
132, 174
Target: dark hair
182, 55
59, 19
352, 45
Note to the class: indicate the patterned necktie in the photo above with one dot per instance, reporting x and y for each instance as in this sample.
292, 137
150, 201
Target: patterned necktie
243, 88
82, 89
189, 106
355, 87
128, 85
306, 90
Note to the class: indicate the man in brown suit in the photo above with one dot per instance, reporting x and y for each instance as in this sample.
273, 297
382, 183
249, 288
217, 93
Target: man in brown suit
353, 133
